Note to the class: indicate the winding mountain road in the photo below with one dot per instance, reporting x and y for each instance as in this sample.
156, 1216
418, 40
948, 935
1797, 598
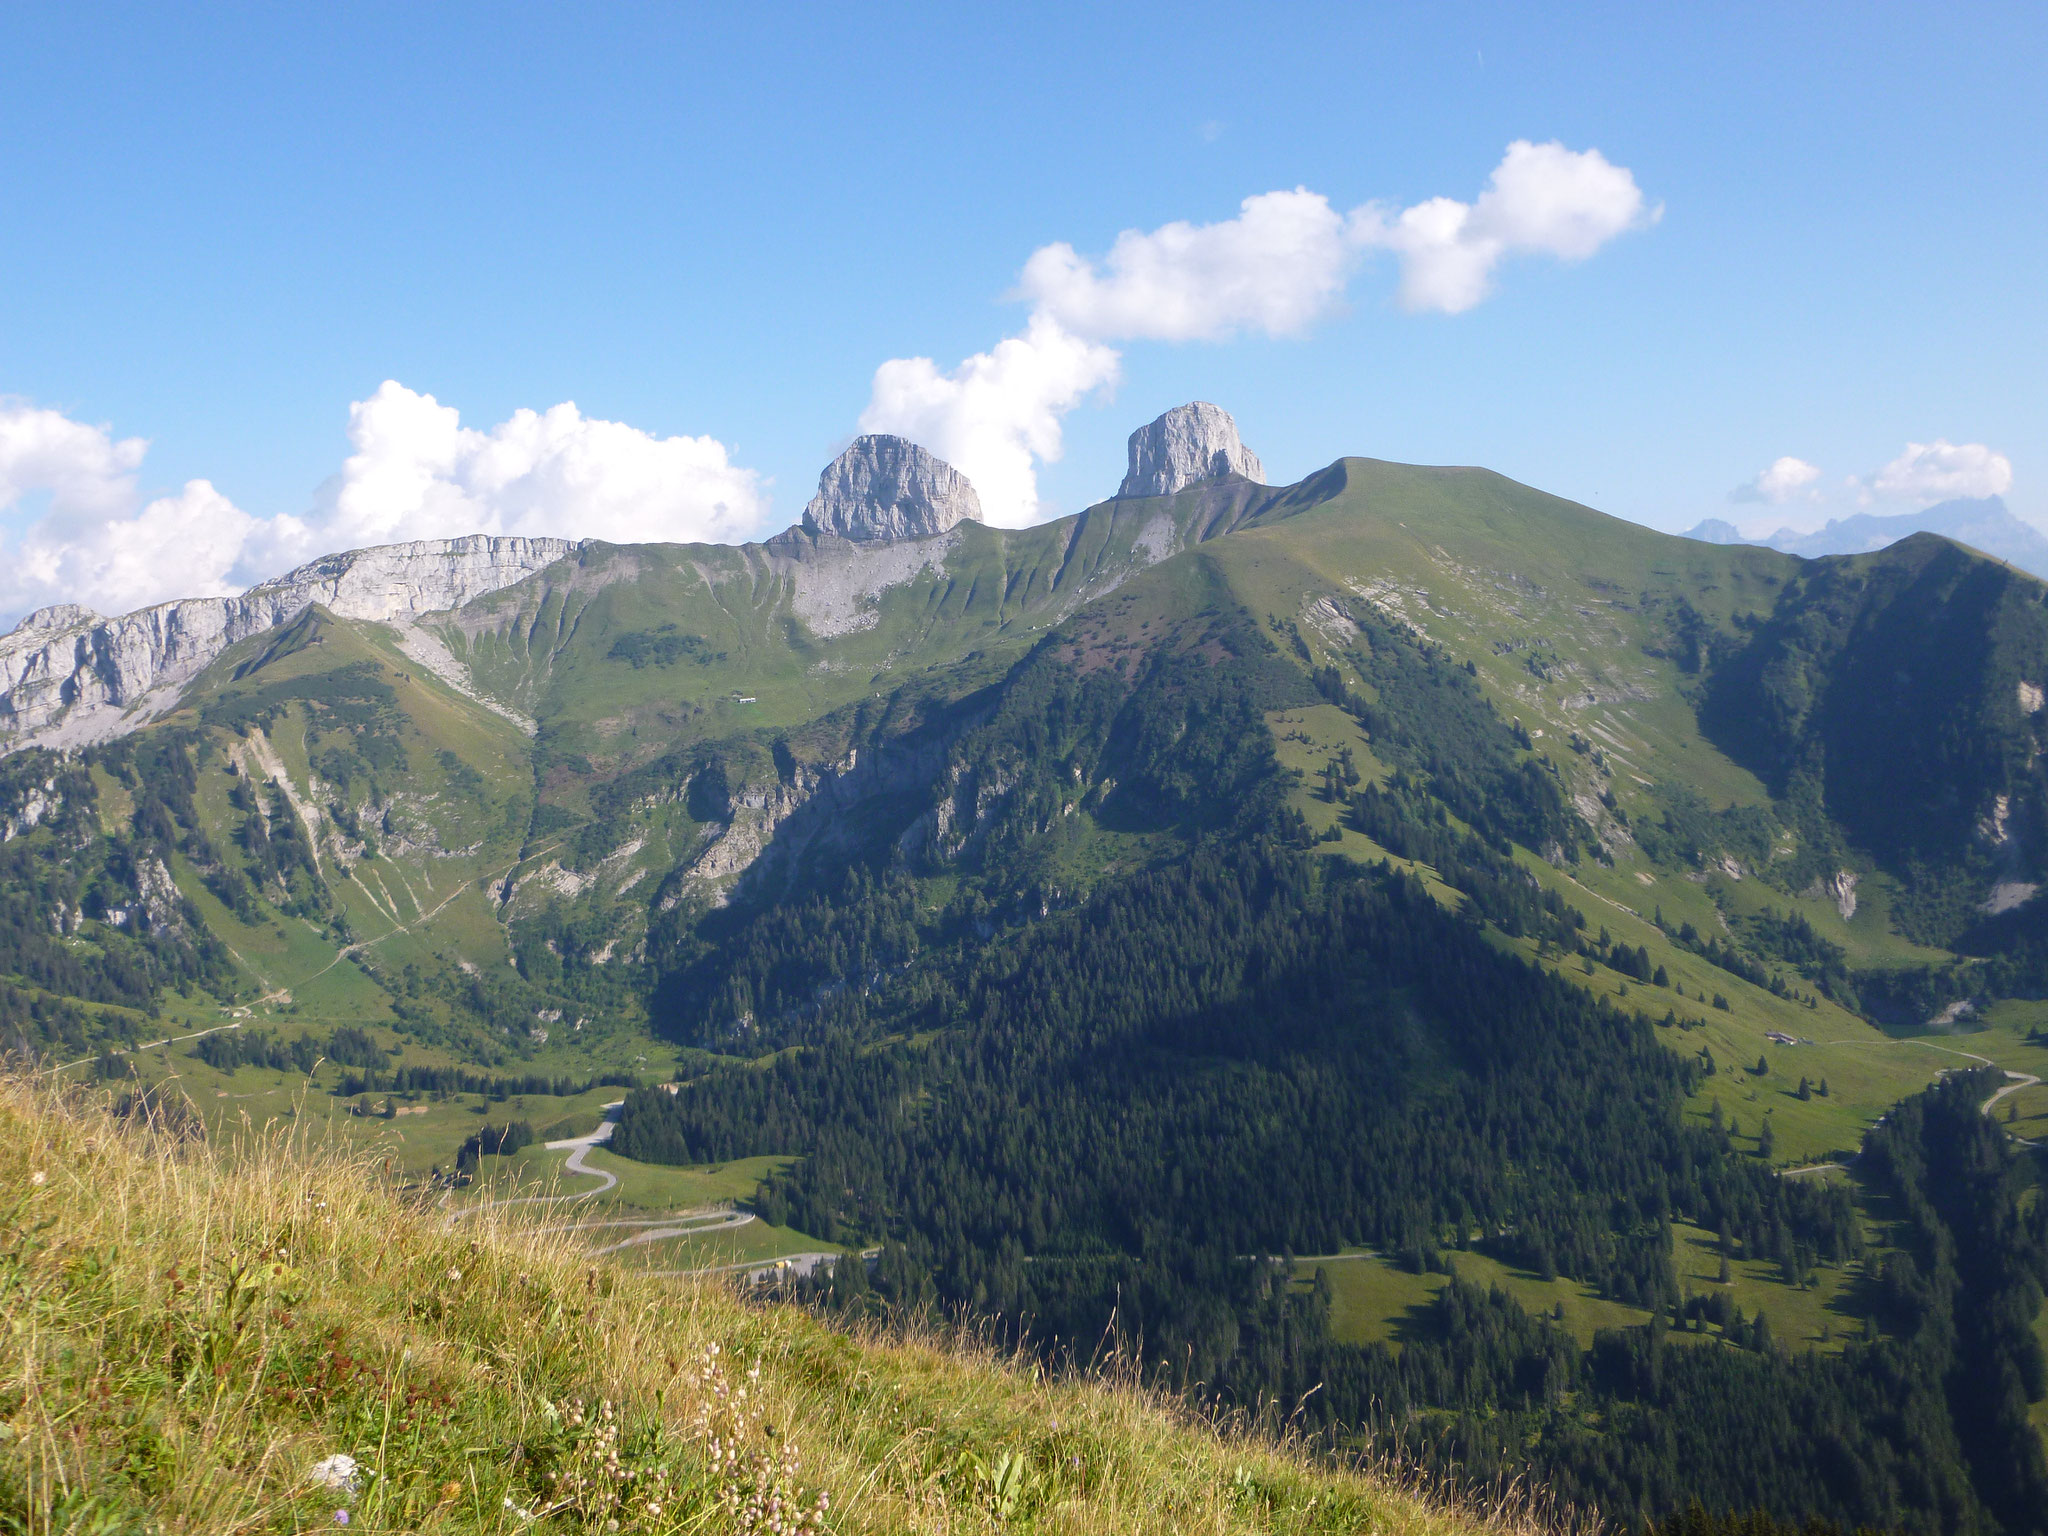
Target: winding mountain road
148, 1045
2020, 1080
579, 1148
645, 1230
689, 1224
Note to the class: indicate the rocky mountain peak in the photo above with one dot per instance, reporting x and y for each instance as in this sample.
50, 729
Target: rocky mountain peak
1189, 444
886, 487
1714, 530
56, 616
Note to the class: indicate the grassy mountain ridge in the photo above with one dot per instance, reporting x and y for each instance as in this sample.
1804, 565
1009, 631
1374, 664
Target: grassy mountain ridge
802, 623
1617, 652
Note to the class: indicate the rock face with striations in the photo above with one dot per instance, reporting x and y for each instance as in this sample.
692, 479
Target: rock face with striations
1189, 444
886, 487
68, 676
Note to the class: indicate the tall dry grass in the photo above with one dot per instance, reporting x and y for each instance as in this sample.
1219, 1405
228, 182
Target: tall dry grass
192, 1332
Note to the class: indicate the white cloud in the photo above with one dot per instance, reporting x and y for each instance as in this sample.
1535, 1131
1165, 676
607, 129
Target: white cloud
1276, 269
418, 473
997, 414
82, 468
1941, 470
1542, 199
185, 545
92, 542
415, 472
1787, 479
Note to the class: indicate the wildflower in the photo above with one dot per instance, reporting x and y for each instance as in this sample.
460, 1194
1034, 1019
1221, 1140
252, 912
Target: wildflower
337, 1471
39, 1178
341, 1517
454, 1275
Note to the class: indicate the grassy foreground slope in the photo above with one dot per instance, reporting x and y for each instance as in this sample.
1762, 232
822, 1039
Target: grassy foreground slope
191, 1331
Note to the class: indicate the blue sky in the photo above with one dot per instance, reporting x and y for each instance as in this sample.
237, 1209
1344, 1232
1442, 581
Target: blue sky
221, 228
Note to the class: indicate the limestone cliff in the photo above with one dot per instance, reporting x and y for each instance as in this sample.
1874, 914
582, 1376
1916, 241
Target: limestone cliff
1189, 444
68, 676
887, 487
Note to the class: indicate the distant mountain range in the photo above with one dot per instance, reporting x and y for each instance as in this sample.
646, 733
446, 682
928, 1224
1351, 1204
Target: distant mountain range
1982, 522
1403, 866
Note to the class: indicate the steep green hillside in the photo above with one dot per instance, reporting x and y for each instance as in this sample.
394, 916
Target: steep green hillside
195, 1335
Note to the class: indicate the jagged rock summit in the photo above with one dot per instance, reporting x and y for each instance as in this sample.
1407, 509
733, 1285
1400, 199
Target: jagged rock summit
1189, 444
886, 487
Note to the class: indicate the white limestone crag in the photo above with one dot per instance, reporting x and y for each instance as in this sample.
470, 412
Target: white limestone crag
68, 676
403, 581
39, 802
1189, 444
886, 487
58, 616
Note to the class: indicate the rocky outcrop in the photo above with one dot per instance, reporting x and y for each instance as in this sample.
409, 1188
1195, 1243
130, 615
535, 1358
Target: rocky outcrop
68, 676
767, 829
58, 616
37, 803
403, 581
1189, 444
887, 487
